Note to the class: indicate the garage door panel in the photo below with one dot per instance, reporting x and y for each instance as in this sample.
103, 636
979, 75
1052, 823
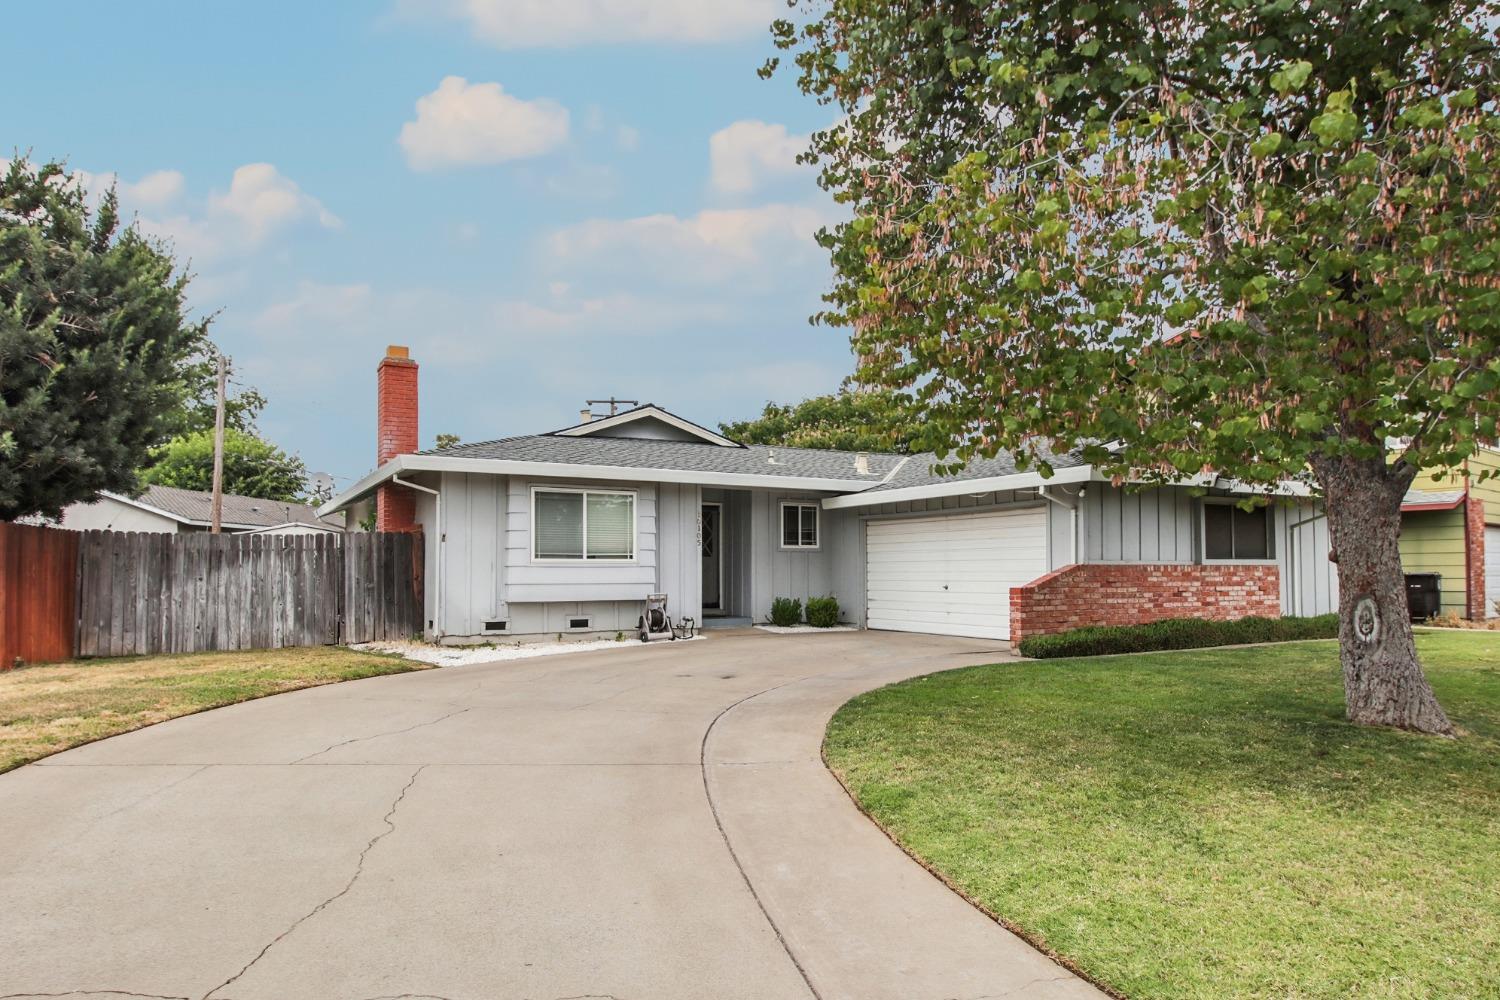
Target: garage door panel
1491, 571
952, 574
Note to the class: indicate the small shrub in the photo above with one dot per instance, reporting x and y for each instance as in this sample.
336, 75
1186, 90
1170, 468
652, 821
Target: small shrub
786, 611
1177, 633
823, 612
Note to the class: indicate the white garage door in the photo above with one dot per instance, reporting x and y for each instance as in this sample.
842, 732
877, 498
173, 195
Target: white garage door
952, 574
1491, 571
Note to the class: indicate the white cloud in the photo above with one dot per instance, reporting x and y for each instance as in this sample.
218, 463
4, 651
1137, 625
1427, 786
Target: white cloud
259, 203
462, 123
745, 155
744, 244
160, 187
513, 24
262, 200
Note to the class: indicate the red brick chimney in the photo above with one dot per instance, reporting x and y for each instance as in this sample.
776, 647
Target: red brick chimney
396, 434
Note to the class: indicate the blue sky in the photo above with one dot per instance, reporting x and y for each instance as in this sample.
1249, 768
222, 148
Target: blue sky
548, 200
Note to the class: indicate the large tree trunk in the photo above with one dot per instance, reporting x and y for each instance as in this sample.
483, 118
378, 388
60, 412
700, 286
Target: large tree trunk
1383, 680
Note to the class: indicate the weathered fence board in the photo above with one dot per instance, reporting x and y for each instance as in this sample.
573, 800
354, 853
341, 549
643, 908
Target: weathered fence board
38, 587
382, 586
159, 593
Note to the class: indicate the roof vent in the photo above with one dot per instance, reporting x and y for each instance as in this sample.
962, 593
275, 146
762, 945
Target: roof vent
771, 457
862, 463
585, 416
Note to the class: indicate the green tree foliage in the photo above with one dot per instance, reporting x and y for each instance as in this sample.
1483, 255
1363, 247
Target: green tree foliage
200, 387
853, 420
94, 338
1231, 235
446, 441
253, 467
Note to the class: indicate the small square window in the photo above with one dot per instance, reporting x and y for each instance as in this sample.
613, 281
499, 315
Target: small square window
799, 525
1231, 533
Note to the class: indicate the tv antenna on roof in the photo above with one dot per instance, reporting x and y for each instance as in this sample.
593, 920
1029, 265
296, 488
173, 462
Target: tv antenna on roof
614, 404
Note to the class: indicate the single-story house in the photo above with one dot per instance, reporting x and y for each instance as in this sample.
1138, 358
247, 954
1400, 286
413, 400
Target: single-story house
168, 509
567, 531
1450, 525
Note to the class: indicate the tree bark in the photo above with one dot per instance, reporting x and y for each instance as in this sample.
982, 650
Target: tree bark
1383, 680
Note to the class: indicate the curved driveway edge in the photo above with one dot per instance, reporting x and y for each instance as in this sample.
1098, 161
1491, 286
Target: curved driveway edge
861, 920
653, 823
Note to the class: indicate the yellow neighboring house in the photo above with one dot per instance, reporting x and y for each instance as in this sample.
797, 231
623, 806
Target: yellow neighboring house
1450, 525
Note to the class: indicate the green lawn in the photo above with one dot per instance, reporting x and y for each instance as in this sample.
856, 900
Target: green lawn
1204, 823
48, 708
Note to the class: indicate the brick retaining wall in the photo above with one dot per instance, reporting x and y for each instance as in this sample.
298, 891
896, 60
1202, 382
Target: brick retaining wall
1134, 594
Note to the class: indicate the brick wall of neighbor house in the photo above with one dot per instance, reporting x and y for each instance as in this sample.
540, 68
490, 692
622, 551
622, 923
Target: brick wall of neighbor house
1134, 594
1474, 556
396, 434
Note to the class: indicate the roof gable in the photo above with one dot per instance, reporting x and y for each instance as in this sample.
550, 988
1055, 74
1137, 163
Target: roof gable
649, 423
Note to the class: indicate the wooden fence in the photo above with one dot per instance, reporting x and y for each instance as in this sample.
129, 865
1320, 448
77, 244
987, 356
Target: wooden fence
112, 593
38, 592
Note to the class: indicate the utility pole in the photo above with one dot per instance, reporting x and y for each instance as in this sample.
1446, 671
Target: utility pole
218, 503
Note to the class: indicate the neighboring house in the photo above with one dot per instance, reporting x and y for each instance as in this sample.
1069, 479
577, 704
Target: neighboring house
168, 509
568, 531
1450, 525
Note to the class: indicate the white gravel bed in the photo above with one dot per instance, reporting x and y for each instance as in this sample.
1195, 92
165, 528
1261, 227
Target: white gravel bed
801, 629
457, 656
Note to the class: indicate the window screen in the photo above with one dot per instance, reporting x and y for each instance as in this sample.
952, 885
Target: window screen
1232, 533
584, 525
799, 526
611, 526
559, 525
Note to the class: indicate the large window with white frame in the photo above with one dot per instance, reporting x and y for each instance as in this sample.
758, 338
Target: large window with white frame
569, 525
799, 525
1233, 534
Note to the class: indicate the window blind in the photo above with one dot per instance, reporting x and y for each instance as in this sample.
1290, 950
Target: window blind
611, 526
559, 526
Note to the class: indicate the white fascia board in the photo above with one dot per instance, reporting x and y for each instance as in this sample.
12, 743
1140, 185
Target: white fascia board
957, 487
1285, 488
564, 470
1029, 480
648, 412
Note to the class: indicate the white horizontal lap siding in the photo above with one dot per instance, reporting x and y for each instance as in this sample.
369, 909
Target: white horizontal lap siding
952, 575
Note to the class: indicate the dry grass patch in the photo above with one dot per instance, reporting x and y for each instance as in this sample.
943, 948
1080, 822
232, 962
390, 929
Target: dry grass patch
49, 708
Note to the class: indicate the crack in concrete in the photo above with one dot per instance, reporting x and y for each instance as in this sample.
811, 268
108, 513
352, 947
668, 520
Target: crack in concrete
359, 869
377, 736
92, 993
81, 833
1015, 990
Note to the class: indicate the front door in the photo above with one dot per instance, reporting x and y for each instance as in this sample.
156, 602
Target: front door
713, 566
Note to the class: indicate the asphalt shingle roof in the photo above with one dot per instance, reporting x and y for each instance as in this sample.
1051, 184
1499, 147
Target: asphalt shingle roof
684, 456
689, 456
1435, 498
197, 505
919, 470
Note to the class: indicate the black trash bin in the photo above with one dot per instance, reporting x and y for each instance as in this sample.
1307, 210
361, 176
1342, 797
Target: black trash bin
1423, 595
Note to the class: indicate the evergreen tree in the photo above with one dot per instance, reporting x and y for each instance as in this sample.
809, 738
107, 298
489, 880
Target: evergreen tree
94, 342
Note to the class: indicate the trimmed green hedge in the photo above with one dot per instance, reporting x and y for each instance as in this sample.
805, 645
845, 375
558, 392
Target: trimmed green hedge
1177, 633
786, 612
823, 612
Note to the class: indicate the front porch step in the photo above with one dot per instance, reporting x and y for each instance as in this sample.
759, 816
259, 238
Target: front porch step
726, 621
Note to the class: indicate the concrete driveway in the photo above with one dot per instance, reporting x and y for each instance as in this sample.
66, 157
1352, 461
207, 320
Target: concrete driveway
649, 824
